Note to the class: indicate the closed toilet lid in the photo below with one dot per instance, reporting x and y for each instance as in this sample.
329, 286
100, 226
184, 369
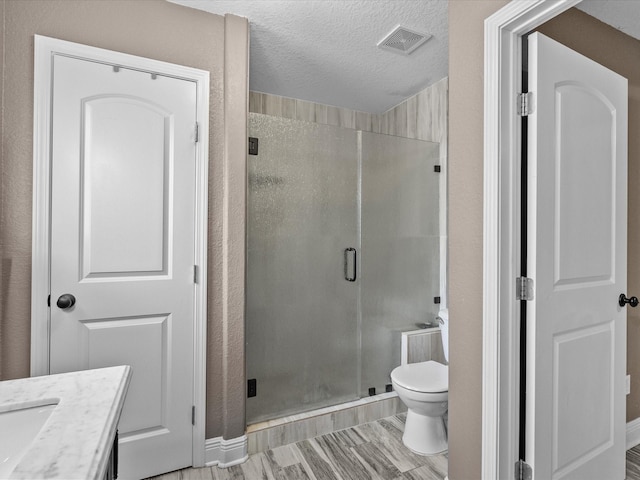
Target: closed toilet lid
429, 377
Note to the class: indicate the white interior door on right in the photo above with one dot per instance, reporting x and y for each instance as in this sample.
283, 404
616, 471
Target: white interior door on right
577, 244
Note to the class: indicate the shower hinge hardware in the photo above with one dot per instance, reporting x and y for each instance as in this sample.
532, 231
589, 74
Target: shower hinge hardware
350, 264
525, 104
253, 146
436, 300
252, 387
372, 391
193, 415
437, 168
524, 288
523, 471
197, 132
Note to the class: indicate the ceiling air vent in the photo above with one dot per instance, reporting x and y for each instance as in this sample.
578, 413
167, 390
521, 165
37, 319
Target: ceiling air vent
402, 40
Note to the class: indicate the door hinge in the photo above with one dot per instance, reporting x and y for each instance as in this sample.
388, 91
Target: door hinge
523, 471
197, 132
193, 415
195, 274
525, 104
253, 146
524, 288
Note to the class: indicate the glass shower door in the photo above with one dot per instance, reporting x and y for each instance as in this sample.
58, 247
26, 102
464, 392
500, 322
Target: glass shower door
301, 313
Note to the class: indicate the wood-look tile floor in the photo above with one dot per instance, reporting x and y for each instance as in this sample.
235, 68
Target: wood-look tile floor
633, 463
370, 451
373, 451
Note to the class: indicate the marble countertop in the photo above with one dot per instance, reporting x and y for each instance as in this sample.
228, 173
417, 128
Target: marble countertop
76, 440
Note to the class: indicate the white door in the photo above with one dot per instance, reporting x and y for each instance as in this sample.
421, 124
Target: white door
577, 237
122, 243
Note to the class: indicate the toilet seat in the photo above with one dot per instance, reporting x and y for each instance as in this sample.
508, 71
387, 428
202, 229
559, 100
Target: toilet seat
427, 377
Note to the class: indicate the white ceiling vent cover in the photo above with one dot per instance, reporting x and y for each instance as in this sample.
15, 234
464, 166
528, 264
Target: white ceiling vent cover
402, 40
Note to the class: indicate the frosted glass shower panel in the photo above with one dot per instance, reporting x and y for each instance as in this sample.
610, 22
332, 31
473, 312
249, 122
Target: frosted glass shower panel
400, 268
301, 314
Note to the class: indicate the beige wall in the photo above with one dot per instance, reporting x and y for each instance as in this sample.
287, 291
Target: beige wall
620, 53
162, 31
466, 44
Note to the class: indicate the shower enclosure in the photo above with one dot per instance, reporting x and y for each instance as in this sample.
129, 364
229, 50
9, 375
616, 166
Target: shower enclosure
343, 249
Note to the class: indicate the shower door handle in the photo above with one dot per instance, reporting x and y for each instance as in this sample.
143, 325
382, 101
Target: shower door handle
350, 267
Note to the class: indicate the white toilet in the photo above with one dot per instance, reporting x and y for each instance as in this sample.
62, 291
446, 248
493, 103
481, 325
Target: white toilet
424, 388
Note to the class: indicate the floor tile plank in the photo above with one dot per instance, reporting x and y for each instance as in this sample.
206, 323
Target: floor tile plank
374, 460
320, 467
633, 463
342, 459
197, 474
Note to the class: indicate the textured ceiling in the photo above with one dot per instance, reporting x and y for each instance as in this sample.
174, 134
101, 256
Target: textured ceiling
325, 50
621, 14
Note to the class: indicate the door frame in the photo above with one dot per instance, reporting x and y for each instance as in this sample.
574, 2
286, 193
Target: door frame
501, 224
45, 48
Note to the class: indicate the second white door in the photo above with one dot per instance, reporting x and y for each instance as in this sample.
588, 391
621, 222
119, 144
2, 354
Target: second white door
577, 242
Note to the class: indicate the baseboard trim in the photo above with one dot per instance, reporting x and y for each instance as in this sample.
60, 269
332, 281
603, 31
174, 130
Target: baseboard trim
633, 433
225, 453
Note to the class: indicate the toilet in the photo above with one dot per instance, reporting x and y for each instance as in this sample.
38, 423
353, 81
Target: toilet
424, 388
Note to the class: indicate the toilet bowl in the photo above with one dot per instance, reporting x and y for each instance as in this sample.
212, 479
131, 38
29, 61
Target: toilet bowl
424, 388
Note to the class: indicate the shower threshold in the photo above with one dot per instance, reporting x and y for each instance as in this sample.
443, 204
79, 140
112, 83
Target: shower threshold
274, 433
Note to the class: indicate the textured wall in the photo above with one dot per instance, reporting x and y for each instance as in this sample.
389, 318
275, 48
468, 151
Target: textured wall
620, 53
466, 44
161, 31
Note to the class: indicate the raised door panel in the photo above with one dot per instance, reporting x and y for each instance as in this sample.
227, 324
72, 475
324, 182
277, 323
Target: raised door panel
126, 166
585, 123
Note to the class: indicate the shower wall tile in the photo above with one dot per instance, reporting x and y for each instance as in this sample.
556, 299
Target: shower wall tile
437, 353
423, 116
321, 113
363, 121
423, 347
333, 116
425, 128
399, 120
288, 107
376, 123
256, 102
412, 117
275, 433
274, 104
419, 348
305, 111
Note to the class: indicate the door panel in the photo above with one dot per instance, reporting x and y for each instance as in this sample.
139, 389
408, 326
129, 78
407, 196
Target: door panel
137, 135
577, 258
122, 242
141, 342
585, 208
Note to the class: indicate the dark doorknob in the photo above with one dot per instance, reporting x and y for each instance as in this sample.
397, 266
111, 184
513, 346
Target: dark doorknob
66, 301
623, 300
